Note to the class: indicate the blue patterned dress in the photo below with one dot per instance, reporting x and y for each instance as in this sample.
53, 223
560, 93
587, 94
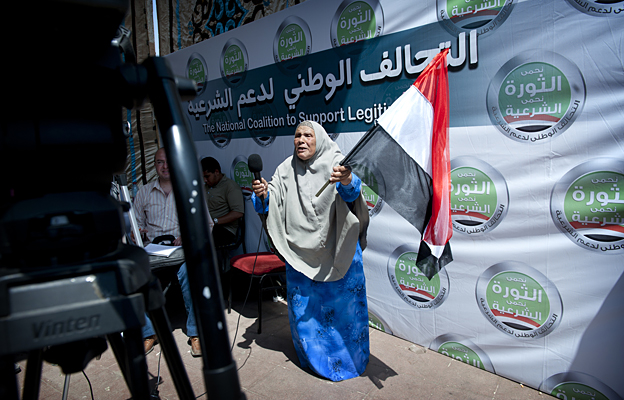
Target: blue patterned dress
329, 322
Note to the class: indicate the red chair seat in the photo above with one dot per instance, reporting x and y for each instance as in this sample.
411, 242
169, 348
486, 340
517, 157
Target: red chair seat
266, 262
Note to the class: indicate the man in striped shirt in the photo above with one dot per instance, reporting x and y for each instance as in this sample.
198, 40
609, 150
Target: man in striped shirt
156, 215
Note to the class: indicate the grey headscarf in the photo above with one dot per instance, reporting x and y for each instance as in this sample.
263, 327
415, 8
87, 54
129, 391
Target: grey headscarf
316, 235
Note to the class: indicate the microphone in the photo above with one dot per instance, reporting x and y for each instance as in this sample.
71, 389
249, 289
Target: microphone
254, 162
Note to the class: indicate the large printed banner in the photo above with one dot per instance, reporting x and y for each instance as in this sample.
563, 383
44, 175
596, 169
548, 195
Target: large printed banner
535, 292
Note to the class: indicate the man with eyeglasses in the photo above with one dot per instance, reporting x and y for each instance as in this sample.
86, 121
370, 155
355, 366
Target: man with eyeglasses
156, 215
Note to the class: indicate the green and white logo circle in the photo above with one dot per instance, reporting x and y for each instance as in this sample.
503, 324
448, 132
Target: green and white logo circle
519, 300
372, 188
393, 91
240, 174
222, 136
578, 390
197, 70
411, 284
355, 21
459, 16
234, 62
479, 196
536, 96
462, 349
293, 39
374, 321
587, 205
600, 8
578, 386
263, 133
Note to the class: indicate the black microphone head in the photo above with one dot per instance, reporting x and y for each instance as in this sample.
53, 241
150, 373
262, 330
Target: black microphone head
254, 162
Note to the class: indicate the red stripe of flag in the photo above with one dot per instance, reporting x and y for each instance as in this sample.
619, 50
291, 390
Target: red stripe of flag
433, 84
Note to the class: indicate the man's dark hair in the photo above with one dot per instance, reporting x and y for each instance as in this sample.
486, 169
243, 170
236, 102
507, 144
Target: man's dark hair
209, 164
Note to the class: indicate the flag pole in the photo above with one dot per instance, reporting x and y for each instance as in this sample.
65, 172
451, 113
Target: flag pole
363, 140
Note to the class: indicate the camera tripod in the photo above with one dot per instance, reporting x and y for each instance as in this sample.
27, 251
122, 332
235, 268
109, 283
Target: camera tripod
66, 279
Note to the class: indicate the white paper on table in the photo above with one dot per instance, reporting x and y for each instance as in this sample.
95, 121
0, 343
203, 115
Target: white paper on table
160, 250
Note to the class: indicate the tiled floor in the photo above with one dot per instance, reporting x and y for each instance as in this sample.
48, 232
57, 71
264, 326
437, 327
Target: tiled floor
268, 369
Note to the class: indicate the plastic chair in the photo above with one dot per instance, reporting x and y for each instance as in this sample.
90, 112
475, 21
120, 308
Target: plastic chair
224, 250
267, 264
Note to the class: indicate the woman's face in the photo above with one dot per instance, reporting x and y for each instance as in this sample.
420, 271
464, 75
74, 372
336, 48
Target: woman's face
305, 142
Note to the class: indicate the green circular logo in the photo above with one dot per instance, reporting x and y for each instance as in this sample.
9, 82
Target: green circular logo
518, 300
412, 281
196, 71
372, 188
461, 353
579, 386
479, 196
459, 16
243, 176
587, 207
473, 196
356, 22
462, 349
591, 204
375, 322
222, 136
411, 284
578, 391
291, 43
534, 96
264, 131
233, 61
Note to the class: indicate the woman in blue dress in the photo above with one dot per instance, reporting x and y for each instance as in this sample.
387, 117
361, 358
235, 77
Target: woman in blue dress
321, 238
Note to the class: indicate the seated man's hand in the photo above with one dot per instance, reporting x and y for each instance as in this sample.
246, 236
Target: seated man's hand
143, 236
178, 241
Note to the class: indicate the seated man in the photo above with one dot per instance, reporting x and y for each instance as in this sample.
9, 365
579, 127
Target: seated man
156, 215
225, 202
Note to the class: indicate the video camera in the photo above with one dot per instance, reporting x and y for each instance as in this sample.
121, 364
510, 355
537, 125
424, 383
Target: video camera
66, 277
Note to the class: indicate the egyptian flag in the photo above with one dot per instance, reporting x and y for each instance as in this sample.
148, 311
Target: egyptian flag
405, 158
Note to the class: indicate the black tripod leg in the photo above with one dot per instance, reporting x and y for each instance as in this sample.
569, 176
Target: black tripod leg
230, 291
260, 304
219, 370
8, 381
136, 366
117, 345
33, 375
172, 355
